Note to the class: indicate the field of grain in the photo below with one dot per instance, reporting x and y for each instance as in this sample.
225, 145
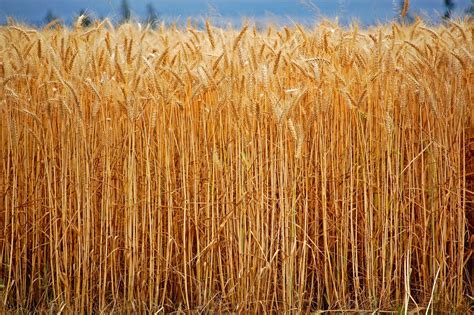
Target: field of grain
287, 169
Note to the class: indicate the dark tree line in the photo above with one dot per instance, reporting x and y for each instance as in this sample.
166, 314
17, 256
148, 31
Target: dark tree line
152, 16
449, 4
470, 10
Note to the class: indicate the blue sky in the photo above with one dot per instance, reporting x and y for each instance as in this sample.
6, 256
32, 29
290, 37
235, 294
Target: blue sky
283, 11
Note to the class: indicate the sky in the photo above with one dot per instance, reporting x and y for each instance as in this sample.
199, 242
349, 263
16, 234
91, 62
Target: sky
366, 12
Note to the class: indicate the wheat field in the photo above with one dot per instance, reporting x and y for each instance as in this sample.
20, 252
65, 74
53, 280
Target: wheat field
285, 169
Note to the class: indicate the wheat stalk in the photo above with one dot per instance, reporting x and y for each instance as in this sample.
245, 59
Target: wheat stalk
306, 170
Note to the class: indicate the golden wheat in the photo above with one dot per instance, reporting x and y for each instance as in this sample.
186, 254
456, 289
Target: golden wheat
281, 170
